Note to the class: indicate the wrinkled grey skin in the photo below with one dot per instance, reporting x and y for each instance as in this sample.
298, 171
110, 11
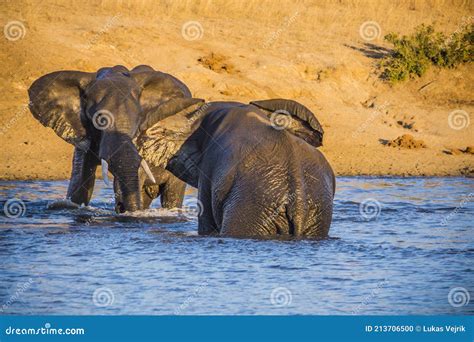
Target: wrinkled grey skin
103, 114
253, 180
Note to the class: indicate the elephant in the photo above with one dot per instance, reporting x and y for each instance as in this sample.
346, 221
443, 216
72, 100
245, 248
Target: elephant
102, 114
256, 166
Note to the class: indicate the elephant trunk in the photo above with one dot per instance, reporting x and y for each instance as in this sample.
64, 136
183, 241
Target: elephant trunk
128, 180
120, 156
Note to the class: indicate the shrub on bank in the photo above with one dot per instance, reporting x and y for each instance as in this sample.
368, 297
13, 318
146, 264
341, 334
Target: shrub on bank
414, 54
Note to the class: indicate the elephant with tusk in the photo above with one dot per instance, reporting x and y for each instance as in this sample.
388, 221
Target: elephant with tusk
257, 166
103, 115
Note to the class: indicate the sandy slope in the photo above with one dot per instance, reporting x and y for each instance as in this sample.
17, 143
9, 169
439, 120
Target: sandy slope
310, 51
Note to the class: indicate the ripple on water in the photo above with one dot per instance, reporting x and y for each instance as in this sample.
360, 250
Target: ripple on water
402, 261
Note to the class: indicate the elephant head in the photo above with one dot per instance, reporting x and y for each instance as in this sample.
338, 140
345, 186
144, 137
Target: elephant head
102, 115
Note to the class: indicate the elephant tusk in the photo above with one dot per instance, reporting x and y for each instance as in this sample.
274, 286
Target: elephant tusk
105, 172
148, 171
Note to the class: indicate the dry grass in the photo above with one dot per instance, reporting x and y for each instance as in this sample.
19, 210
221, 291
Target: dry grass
401, 15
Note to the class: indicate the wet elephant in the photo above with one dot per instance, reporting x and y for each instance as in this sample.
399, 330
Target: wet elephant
101, 114
257, 166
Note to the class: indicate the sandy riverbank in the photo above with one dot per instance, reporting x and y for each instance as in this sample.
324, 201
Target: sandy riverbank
312, 52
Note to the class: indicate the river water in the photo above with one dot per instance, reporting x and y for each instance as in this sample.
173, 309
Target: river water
397, 246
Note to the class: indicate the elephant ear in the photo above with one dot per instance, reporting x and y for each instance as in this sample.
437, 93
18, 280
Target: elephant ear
157, 87
55, 101
166, 127
299, 120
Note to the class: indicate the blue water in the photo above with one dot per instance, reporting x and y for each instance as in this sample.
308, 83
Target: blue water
403, 255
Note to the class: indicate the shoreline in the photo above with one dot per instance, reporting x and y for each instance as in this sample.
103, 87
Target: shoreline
355, 175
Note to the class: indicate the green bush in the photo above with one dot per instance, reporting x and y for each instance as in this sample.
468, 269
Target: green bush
413, 55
